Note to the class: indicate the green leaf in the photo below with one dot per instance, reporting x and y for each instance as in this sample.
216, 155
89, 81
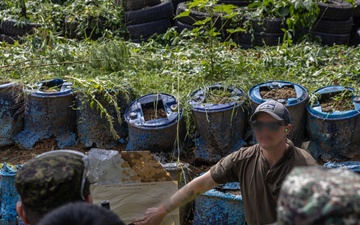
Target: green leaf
202, 22
183, 14
232, 31
284, 11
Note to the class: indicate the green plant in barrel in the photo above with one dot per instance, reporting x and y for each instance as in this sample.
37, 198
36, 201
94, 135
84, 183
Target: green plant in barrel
207, 28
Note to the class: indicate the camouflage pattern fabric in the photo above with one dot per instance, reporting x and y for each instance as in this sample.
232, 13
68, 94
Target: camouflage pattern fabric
50, 181
321, 196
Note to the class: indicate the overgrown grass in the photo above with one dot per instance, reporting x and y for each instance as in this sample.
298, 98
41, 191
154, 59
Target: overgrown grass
175, 64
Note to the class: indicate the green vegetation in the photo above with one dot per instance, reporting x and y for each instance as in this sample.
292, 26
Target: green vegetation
172, 63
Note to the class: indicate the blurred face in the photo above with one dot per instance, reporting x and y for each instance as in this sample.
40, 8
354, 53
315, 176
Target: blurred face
269, 132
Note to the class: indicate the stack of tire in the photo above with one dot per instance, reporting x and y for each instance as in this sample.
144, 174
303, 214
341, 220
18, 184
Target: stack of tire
239, 3
187, 22
176, 3
93, 30
355, 33
261, 32
12, 30
144, 18
335, 22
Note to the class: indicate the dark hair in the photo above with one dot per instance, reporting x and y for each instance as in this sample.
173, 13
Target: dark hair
81, 214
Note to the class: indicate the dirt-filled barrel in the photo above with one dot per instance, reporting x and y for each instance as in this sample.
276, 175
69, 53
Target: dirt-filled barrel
49, 112
11, 112
100, 122
155, 123
333, 123
292, 95
220, 114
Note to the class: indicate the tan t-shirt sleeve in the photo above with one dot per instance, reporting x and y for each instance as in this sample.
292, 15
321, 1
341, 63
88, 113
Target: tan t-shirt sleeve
227, 169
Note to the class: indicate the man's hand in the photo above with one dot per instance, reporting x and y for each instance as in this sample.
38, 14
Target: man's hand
199, 185
153, 216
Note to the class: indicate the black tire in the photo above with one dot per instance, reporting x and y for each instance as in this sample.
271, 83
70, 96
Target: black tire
131, 5
182, 26
94, 30
331, 39
357, 9
260, 39
268, 25
335, 10
15, 28
355, 40
8, 39
334, 27
234, 2
194, 16
153, 13
148, 29
176, 3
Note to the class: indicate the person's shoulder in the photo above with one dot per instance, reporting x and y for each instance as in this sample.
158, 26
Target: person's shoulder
304, 157
246, 152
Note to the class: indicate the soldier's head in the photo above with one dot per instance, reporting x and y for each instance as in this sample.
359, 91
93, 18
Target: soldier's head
319, 196
271, 124
81, 214
50, 180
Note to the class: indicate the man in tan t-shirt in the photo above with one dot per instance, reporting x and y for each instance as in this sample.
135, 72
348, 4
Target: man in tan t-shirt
260, 169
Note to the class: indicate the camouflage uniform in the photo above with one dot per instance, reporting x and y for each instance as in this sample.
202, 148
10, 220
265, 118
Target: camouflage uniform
50, 181
321, 196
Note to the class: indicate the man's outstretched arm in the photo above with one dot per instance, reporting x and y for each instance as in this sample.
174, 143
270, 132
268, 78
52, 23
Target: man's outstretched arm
154, 216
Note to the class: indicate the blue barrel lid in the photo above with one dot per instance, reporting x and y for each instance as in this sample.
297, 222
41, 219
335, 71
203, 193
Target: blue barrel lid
134, 113
198, 101
301, 92
65, 89
350, 165
6, 85
7, 170
316, 109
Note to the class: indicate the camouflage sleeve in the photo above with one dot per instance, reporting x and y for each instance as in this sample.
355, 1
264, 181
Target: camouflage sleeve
317, 195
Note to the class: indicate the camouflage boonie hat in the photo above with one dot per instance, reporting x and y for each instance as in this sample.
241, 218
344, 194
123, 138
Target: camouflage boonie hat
50, 181
318, 195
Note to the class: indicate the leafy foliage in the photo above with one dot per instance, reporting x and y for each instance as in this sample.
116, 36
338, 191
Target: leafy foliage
172, 63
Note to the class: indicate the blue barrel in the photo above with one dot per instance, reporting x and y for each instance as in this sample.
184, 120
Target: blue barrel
220, 206
93, 128
155, 123
350, 165
333, 135
295, 105
11, 112
8, 195
220, 126
49, 114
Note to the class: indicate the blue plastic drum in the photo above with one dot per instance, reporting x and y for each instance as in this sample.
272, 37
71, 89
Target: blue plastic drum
220, 126
333, 135
296, 105
11, 112
155, 123
49, 114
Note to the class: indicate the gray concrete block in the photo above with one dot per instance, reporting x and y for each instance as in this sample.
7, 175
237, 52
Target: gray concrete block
107, 167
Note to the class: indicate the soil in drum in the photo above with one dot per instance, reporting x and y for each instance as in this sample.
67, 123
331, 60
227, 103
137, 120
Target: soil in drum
50, 89
337, 103
152, 114
220, 96
278, 93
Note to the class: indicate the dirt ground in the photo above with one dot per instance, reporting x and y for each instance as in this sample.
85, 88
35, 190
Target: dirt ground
15, 155
279, 93
149, 114
331, 105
